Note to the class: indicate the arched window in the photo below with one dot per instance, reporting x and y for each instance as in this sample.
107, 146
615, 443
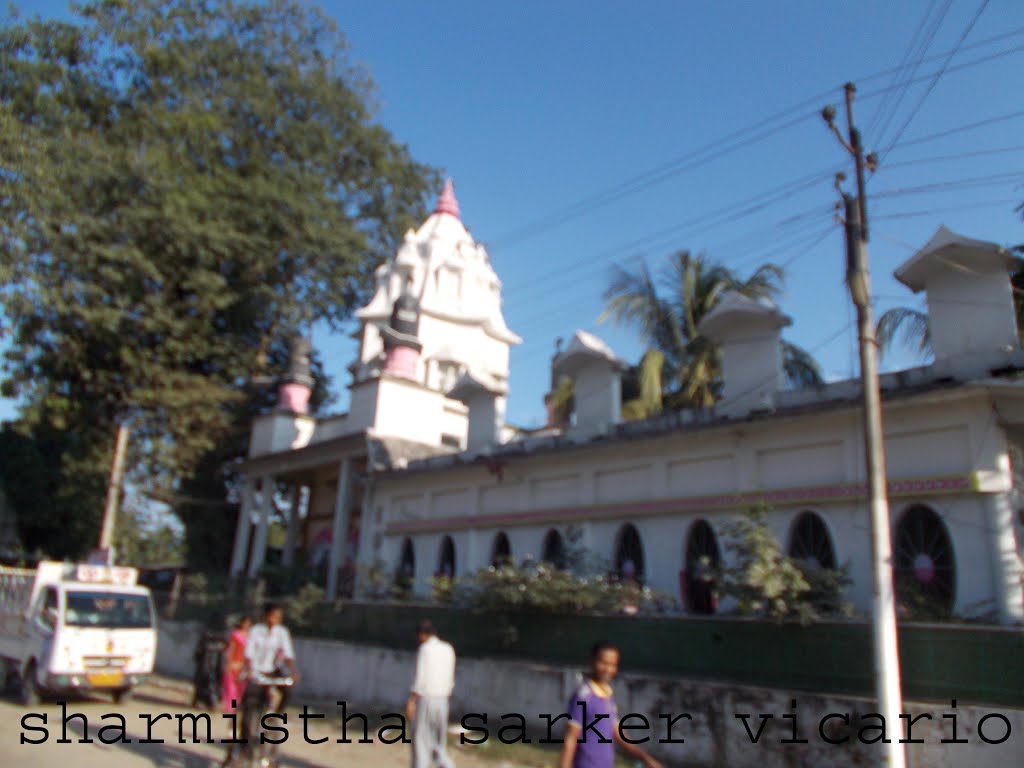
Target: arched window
407, 565
553, 551
446, 558
629, 555
501, 550
405, 573
925, 563
809, 541
702, 557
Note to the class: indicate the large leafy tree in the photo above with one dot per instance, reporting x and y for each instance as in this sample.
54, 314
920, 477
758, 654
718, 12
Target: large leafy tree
667, 309
183, 184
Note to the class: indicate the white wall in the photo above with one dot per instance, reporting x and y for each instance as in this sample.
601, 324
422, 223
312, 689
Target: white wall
280, 431
688, 476
368, 676
971, 314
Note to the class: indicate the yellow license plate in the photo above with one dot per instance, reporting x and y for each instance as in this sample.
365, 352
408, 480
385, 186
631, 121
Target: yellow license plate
105, 679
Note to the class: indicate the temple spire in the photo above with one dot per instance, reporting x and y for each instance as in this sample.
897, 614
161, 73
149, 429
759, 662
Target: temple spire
446, 202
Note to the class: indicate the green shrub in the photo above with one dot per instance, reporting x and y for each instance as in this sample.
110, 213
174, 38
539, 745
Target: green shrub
542, 588
765, 582
305, 606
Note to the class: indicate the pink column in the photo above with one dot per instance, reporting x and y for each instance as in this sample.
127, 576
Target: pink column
293, 397
401, 361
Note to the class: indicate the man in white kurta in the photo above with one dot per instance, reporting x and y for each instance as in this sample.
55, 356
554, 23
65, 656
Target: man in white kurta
427, 706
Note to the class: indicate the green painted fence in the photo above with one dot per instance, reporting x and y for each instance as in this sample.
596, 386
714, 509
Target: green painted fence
974, 664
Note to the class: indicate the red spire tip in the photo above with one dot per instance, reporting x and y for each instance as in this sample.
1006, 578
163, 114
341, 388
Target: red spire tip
446, 202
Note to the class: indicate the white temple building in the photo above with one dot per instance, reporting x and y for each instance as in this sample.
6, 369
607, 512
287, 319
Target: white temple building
423, 477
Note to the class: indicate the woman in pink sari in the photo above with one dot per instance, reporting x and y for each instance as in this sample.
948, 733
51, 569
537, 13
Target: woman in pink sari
234, 658
232, 686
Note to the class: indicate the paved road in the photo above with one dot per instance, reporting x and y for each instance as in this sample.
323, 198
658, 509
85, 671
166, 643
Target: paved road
163, 697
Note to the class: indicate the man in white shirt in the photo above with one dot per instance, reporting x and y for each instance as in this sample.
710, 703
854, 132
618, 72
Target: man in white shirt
427, 706
268, 654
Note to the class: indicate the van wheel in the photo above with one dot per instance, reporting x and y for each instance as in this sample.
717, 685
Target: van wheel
28, 687
121, 695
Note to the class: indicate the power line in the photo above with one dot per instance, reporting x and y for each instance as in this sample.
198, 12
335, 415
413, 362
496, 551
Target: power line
588, 261
711, 151
994, 179
775, 192
926, 43
949, 209
810, 215
727, 214
911, 47
688, 162
960, 156
960, 129
804, 246
935, 80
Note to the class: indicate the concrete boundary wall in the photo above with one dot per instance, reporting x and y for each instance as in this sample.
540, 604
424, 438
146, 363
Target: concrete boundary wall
374, 677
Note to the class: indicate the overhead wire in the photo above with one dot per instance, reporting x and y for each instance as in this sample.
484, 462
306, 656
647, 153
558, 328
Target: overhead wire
816, 211
806, 246
935, 80
704, 155
918, 48
912, 46
960, 129
994, 179
960, 156
588, 261
721, 216
713, 150
895, 215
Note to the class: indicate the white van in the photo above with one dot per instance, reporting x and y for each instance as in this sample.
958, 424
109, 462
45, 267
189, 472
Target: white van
67, 627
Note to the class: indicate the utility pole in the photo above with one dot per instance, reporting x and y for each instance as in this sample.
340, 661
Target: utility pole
113, 490
887, 661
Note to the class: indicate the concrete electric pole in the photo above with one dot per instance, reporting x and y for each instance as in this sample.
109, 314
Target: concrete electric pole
887, 662
113, 492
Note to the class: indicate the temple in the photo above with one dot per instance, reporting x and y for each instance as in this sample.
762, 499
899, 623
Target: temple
422, 477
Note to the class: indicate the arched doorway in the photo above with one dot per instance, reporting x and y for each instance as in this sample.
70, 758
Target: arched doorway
925, 563
629, 554
405, 574
698, 578
446, 558
501, 550
810, 542
553, 550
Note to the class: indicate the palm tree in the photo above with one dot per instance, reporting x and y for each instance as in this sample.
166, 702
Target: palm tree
641, 387
668, 308
913, 323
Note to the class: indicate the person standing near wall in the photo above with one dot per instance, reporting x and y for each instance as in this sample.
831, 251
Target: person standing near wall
427, 706
208, 658
594, 701
232, 684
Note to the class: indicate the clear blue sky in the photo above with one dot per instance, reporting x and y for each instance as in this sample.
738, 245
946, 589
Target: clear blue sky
533, 107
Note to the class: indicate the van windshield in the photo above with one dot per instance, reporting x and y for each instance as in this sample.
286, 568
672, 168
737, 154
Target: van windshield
107, 610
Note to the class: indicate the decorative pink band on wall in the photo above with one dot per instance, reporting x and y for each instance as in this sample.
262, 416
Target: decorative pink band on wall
821, 494
293, 397
401, 361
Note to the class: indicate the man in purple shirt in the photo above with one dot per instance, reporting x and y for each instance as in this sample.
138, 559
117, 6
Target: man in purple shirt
593, 729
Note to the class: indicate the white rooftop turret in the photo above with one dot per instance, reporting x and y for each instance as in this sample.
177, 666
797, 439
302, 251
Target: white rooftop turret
596, 372
749, 333
971, 317
486, 399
